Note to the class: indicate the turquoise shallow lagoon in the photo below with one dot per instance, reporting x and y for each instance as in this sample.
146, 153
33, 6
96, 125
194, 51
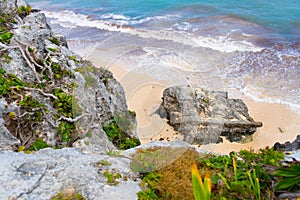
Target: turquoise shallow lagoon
250, 46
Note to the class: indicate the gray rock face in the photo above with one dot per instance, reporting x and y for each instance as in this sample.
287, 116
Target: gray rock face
48, 172
7, 140
41, 58
288, 146
202, 116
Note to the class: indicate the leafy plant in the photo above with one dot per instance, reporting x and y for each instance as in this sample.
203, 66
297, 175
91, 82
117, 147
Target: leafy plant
7, 81
149, 182
66, 133
289, 178
230, 174
54, 41
255, 184
24, 10
112, 178
202, 189
267, 156
118, 136
37, 145
5, 37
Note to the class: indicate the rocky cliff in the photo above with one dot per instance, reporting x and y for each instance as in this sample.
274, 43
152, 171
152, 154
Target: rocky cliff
48, 95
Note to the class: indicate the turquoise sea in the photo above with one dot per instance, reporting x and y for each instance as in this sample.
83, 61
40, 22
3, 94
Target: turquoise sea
250, 46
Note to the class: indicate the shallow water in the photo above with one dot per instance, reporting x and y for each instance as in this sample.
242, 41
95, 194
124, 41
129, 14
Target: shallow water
252, 47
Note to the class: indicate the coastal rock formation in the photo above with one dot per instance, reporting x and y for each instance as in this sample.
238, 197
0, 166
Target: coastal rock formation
48, 172
203, 116
48, 95
288, 146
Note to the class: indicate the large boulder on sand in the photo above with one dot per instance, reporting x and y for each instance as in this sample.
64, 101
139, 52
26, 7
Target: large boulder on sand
203, 116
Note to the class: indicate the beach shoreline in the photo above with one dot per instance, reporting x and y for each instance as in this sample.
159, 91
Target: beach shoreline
143, 94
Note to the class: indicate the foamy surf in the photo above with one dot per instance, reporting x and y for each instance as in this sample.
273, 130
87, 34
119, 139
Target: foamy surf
257, 96
69, 19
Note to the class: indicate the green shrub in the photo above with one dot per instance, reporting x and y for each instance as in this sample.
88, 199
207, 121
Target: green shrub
5, 37
289, 178
37, 145
166, 172
116, 132
112, 178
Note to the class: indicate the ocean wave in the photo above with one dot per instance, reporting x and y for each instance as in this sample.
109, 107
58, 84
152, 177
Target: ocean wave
114, 16
257, 96
120, 19
69, 19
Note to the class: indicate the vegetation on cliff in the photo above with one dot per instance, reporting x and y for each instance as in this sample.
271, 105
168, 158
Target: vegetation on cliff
167, 174
51, 97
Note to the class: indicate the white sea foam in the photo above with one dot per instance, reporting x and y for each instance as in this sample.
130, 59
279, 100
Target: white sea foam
114, 16
257, 96
69, 19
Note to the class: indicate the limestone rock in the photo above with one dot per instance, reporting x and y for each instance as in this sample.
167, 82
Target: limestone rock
203, 116
288, 146
47, 172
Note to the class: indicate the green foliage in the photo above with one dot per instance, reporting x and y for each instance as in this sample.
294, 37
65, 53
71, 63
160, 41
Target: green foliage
52, 49
150, 181
37, 145
66, 133
147, 194
5, 19
86, 68
7, 58
30, 49
169, 173
255, 184
231, 174
5, 37
68, 196
63, 103
89, 81
116, 133
31, 105
112, 178
74, 58
267, 156
24, 11
85, 71
12, 115
67, 107
5, 34
7, 81
55, 41
201, 189
289, 178
59, 72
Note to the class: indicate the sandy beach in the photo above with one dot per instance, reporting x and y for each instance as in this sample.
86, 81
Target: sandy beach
143, 94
